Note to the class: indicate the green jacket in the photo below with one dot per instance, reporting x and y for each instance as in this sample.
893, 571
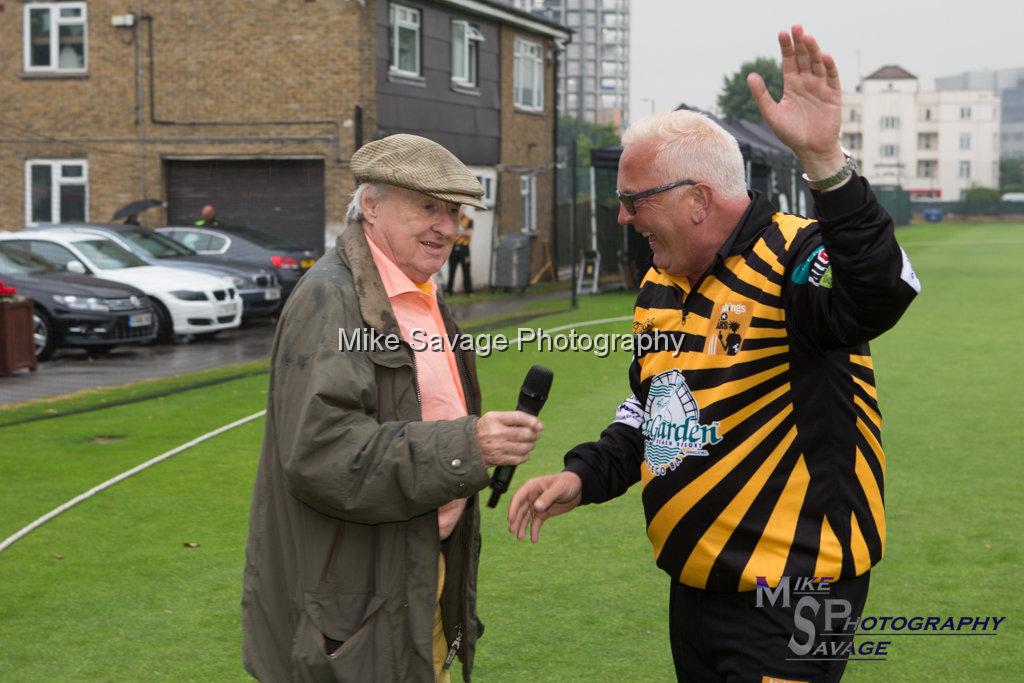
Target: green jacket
343, 538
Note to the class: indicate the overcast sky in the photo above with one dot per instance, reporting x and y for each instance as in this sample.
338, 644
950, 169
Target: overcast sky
681, 50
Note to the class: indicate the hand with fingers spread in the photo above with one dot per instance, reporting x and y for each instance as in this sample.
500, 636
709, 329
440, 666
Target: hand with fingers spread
540, 498
506, 438
808, 117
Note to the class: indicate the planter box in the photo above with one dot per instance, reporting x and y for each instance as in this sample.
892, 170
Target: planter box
17, 349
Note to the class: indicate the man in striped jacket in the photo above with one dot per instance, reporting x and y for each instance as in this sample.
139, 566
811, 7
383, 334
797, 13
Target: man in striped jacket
758, 447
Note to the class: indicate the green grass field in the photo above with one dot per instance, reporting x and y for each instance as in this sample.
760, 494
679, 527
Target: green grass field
110, 590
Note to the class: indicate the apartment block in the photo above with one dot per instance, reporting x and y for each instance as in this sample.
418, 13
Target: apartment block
934, 144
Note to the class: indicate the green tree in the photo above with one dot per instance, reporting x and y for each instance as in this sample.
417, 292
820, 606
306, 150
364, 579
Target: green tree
735, 100
588, 136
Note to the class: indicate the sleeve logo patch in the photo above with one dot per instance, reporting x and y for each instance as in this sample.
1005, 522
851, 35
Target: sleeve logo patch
908, 275
816, 270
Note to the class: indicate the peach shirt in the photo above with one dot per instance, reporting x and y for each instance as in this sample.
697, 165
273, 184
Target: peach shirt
416, 308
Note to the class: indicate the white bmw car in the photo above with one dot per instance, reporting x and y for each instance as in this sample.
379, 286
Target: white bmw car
185, 302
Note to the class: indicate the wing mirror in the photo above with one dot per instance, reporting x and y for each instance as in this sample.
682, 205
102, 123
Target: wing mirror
76, 267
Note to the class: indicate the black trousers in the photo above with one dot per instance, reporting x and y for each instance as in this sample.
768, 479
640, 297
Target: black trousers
727, 638
459, 257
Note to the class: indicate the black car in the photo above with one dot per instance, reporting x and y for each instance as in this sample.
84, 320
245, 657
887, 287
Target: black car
256, 282
245, 244
76, 310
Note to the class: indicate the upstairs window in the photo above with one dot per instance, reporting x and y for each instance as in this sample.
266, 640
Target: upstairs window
56, 190
55, 37
529, 75
405, 41
466, 39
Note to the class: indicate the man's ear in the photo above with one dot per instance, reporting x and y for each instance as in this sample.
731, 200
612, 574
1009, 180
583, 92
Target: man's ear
700, 204
369, 202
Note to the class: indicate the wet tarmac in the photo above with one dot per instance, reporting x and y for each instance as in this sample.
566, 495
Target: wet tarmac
74, 369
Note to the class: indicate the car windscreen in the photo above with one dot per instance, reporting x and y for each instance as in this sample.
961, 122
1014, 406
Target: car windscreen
18, 262
107, 255
262, 239
157, 245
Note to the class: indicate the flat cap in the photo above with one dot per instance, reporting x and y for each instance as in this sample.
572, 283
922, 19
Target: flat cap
418, 164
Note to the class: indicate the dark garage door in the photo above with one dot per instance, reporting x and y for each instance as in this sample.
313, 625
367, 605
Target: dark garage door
281, 197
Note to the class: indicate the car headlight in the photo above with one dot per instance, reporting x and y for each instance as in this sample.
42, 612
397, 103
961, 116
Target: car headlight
134, 301
187, 295
81, 303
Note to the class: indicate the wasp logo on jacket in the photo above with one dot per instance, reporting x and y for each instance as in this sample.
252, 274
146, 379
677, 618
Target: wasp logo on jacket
671, 425
727, 335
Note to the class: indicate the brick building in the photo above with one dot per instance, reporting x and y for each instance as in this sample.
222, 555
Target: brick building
257, 108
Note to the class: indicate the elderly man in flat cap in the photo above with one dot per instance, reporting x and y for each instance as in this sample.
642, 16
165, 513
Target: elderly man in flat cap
365, 529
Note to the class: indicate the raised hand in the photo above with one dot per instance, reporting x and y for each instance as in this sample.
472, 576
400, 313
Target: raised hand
540, 498
808, 117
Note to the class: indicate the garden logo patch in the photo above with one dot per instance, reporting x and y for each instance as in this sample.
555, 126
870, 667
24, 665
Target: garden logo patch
671, 427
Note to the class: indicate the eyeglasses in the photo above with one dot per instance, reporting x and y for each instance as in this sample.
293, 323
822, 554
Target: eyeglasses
629, 200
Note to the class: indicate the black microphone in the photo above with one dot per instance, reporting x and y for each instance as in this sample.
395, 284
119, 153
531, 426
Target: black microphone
532, 396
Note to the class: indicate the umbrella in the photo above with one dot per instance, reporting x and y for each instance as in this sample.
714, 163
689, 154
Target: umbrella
136, 207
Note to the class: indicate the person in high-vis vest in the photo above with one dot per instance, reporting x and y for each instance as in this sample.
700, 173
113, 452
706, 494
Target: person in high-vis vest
758, 446
460, 256
209, 217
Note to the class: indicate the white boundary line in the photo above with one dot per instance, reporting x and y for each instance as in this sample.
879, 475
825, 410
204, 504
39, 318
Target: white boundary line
121, 477
8, 542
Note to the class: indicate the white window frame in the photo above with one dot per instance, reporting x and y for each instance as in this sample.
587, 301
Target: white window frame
56, 21
965, 112
467, 46
965, 169
57, 180
889, 150
528, 60
965, 141
528, 193
400, 18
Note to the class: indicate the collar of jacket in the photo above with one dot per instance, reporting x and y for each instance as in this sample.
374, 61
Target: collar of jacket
374, 304
755, 220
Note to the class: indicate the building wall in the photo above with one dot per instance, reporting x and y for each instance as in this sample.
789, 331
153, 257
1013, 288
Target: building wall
464, 120
229, 61
526, 148
1009, 85
929, 119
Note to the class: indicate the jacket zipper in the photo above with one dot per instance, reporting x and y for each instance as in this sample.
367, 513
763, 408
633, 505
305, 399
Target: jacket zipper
454, 648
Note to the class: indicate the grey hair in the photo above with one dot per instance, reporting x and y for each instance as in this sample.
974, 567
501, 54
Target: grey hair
693, 146
354, 212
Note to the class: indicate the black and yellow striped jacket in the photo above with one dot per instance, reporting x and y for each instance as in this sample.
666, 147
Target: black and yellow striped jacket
758, 447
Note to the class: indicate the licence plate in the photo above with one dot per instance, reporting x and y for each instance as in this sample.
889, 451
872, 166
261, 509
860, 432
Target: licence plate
272, 294
226, 309
307, 263
140, 320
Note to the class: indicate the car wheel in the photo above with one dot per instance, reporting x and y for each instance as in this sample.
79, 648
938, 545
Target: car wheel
162, 322
43, 334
